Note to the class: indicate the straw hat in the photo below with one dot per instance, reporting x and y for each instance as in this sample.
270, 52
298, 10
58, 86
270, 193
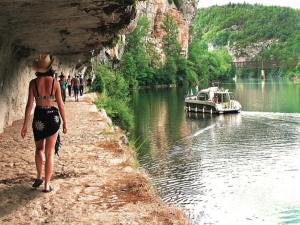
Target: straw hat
42, 63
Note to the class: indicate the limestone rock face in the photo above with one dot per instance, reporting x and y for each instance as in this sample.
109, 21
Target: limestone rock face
71, 30
156, 10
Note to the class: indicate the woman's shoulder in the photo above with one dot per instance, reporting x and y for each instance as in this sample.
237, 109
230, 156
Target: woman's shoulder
32, 81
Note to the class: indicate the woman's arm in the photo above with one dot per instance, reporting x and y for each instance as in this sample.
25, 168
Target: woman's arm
28, 109
61, 107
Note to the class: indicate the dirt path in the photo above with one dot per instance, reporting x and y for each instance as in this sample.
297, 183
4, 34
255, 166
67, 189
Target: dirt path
95, 179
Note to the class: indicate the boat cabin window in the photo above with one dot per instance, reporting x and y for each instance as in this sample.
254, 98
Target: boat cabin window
202, 96
226, 97
221, 97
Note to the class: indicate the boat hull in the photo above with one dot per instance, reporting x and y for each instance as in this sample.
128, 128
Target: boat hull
207, 107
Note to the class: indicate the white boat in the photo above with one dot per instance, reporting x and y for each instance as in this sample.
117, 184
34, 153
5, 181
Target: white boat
212, 100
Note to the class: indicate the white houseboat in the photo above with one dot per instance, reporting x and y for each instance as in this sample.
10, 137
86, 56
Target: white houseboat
212, 100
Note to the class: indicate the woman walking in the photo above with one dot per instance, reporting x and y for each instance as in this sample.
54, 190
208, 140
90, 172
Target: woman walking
46, 121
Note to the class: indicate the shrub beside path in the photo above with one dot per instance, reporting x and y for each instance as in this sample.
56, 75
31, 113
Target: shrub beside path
95, 178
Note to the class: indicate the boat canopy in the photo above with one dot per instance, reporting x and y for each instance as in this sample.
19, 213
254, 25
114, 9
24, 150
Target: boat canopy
215, 90
214, 94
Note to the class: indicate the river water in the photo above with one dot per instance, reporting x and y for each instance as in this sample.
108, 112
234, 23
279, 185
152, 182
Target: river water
227, 169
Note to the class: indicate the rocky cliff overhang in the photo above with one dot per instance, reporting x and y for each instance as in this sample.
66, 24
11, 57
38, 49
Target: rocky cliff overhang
63, 27
71, 30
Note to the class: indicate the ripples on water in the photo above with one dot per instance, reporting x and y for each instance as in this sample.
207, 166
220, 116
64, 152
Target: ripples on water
233, 169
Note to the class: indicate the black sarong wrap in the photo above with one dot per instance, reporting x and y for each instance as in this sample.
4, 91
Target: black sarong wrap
46, 122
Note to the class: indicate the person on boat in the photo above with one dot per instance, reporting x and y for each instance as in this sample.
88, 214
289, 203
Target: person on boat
46, 120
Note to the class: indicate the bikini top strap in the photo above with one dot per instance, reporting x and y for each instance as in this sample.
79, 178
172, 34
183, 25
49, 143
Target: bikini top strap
36, 87
52, 87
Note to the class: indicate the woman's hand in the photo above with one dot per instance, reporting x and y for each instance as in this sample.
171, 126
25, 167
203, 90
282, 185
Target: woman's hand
24, 131
65, 128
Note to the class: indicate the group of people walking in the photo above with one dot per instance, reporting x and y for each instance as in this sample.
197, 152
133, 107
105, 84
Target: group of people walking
75, 83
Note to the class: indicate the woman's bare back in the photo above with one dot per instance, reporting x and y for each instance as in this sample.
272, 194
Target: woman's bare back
42, 86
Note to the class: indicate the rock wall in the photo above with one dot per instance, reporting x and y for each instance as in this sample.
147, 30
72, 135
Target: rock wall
71, 30
156, 10
241, 54
13, 88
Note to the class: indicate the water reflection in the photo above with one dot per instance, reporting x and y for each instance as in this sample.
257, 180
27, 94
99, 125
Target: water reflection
266, 96
163, 120
228, 169
232, 169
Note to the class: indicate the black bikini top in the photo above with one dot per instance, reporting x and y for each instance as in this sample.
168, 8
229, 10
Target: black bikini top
51, 96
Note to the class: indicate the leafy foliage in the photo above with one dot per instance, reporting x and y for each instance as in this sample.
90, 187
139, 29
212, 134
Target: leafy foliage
135, 61
98, 84
209, 65
117, 110
114, 96
129, 70
171, 45
242, 25
141, 64
176, 69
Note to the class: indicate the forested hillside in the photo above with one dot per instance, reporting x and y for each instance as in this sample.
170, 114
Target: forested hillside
253, 32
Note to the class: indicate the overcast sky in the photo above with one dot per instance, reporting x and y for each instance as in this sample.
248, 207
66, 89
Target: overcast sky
288, 3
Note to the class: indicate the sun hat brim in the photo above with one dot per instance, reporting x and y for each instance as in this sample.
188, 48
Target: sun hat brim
40, 67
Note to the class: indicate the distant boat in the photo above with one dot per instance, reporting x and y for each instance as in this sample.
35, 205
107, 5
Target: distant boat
212, 100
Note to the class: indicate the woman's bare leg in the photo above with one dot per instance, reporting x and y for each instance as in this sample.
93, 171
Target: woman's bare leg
49, 152
39, 157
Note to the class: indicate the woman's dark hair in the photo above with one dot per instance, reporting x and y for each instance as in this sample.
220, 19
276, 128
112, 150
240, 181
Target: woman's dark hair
50, 72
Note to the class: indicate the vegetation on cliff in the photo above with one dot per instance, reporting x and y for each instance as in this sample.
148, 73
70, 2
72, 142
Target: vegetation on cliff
141, 64
273, 31
113, 89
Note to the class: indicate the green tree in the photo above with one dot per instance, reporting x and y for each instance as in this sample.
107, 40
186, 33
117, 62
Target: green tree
114, 96
128, 69
171, 45
240, 26
137, 38
170, 70
136, 58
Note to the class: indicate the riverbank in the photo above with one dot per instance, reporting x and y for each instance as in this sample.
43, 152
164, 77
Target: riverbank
95, 181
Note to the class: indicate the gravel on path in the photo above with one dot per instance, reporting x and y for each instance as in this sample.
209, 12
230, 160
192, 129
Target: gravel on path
96, 179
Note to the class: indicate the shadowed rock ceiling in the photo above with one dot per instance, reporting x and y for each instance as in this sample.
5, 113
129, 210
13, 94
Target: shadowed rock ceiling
62, 27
